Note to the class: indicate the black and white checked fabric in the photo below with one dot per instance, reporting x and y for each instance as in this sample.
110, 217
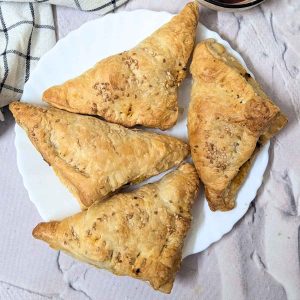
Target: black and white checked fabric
26, 33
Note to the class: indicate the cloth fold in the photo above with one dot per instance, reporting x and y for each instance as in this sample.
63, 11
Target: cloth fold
27, 32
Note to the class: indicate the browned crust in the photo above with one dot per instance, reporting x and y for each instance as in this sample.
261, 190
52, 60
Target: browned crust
138, 234
229, 116
138, 86
92, 157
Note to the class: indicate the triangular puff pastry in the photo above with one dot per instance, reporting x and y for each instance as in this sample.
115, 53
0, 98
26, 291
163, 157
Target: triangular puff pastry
229, 118
138, 86
93, 157
138, 234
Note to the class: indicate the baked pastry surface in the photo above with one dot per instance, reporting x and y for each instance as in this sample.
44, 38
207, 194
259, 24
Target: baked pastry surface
229, 118
138, 234
138, 86
92, 157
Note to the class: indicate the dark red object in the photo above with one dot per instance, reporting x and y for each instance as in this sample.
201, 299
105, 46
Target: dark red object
231, 1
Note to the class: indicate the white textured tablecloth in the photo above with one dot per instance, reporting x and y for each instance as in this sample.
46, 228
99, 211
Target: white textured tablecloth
259, 259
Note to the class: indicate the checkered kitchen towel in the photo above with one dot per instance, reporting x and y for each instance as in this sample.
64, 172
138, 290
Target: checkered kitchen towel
26, 33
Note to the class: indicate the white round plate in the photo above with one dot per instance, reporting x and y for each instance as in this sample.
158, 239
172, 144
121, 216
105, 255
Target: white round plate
75, 53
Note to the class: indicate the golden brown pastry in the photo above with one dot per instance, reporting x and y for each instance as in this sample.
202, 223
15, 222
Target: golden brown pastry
229, 118
138, 234
138, 86
92, 157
